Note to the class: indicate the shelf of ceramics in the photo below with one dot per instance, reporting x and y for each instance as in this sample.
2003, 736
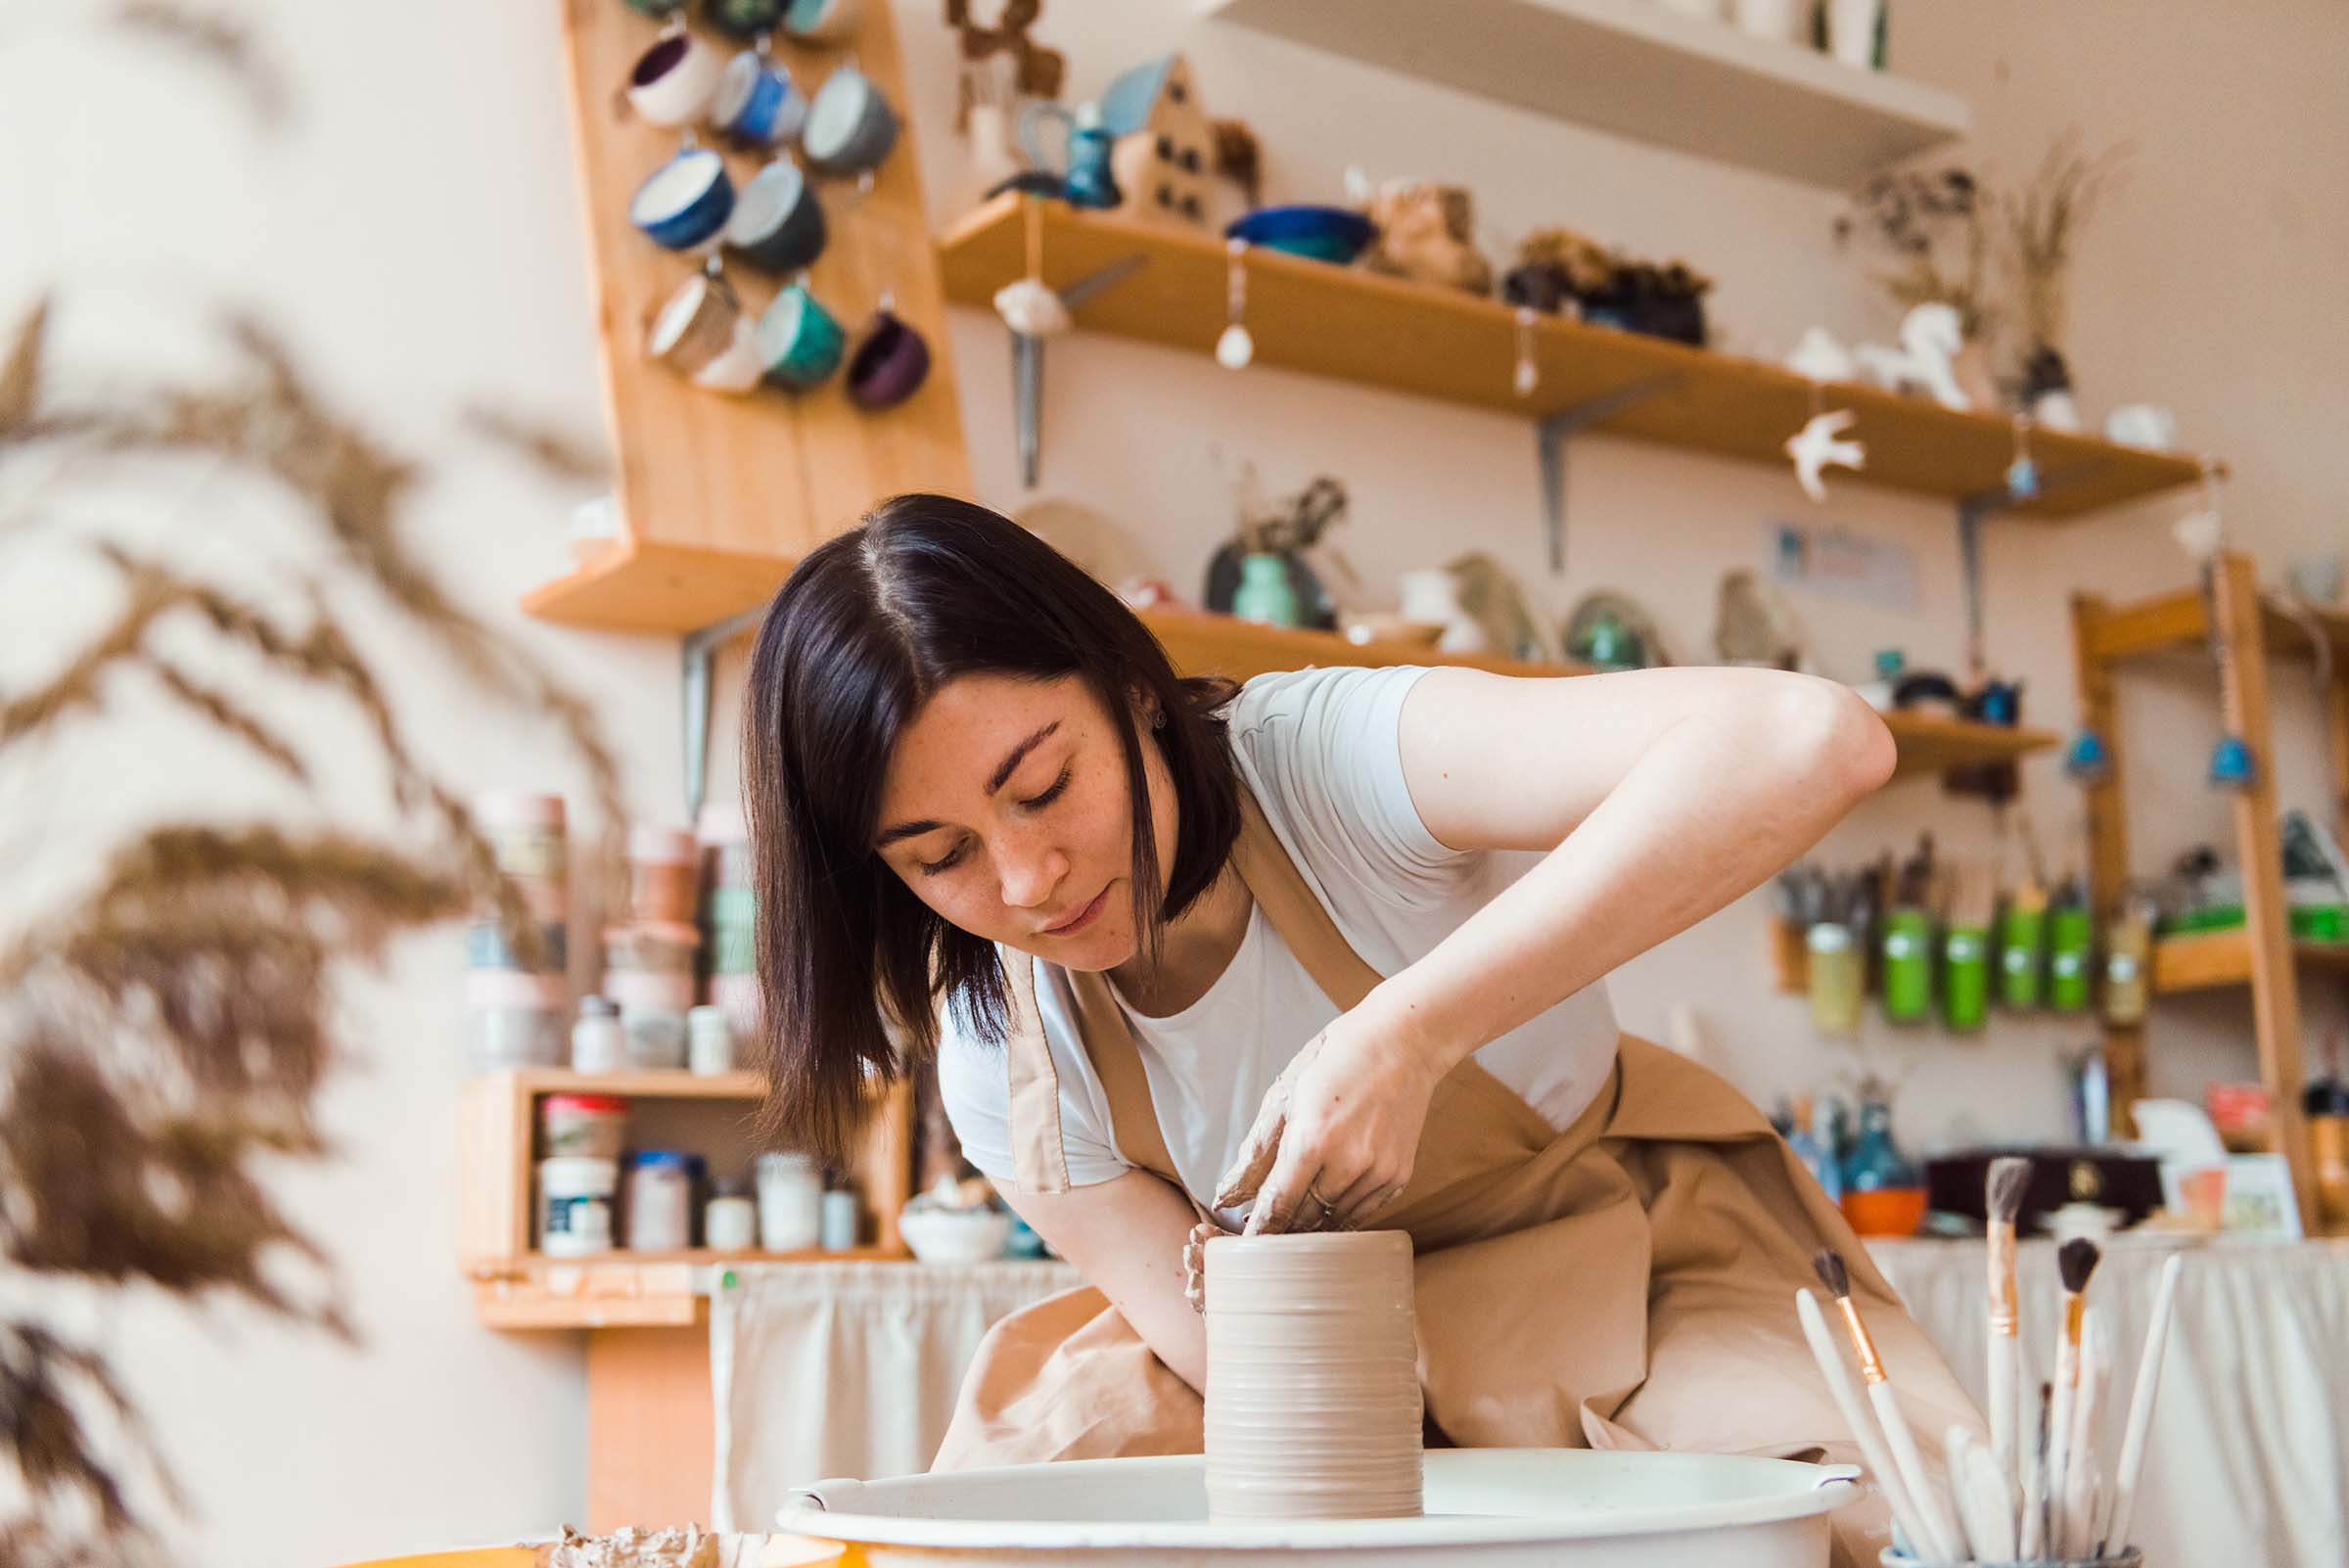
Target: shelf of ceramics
1640, 70
719, 494
1205, 644
2203, 960
1351, 324
631, 1289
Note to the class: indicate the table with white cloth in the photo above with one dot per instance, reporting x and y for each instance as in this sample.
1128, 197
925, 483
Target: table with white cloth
852, 1369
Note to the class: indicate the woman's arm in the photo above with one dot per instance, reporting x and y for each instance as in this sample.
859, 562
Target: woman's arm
1127, 1237
1661, 796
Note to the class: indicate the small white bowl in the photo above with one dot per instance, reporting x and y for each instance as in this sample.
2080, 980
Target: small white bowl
955, 1235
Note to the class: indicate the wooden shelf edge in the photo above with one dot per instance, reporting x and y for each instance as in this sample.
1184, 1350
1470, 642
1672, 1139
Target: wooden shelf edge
676, 1084
2205, 960
648, 586
2177, 621
1930, 744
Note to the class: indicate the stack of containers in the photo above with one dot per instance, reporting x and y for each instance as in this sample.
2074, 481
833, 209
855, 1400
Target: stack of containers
650, 957
517, 1005
730, 914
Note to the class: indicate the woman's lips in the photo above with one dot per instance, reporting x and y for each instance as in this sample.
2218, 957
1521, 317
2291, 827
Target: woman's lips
1082, 918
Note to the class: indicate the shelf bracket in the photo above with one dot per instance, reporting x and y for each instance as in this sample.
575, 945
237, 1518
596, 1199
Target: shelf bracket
1972, 512
697, 654
1550, 434
1028, 364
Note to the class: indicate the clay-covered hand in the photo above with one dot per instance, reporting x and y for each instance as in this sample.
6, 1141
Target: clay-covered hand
1194, 1262
1334, 1141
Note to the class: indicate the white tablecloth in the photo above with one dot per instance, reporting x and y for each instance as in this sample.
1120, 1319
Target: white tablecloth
852, 1369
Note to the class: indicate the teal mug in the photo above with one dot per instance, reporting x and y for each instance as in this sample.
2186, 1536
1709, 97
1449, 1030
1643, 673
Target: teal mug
799, 341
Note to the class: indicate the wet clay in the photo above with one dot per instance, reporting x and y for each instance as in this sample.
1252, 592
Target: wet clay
1313, 1383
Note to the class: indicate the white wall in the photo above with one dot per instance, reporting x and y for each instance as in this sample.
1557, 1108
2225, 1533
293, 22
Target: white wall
415, 236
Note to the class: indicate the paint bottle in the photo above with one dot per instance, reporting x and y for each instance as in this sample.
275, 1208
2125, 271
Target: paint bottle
730, 1219
791, 1197
840, 1220
1964, 976
2022, 953
575, 1205
660, 1216
709, 1041
1908, 954
597, 1042
1838, 976
2070, 938
2127, 954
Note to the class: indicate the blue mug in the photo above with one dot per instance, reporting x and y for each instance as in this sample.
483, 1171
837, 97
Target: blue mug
755, 104
685, 201
851, 126
799, 341
778, 225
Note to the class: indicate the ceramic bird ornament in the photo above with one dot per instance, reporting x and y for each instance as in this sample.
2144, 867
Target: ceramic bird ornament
1820, 443
1932, 337
1030, 307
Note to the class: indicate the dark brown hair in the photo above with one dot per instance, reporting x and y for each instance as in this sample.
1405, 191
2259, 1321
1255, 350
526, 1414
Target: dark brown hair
853, 965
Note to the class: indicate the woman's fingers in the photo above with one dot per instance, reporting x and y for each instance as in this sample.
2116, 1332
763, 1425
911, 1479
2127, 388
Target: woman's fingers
1194, 1262
1361, 1202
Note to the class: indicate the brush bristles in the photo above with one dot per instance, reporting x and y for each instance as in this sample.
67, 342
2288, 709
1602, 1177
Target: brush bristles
1832, 1272
2008, 1175
2075, 1260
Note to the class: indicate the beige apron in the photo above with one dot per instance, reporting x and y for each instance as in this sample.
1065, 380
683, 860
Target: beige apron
1645, 1260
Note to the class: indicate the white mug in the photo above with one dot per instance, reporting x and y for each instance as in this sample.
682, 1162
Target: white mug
673, 81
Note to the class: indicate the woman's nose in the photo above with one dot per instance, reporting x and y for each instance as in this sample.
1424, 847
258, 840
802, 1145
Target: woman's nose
1030, 873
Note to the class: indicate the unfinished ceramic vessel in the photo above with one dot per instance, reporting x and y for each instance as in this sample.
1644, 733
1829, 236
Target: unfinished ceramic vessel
1313, 1384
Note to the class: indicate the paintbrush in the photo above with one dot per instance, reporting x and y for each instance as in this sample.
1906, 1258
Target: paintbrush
2076, 1259
1978, 1491
2033, 1532
2081, 1492
1939, 1534
2003, 1202
1864, 1432
2115, 1533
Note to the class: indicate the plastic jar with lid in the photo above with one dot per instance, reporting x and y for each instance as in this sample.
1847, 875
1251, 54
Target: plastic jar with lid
659, 1212
575, 1206
840, 1220
652, 947
597, 1044
791, 1199
664, 874
730, 1219
592, 1126
526, 831
514, 1020
709, 1041
652, 1016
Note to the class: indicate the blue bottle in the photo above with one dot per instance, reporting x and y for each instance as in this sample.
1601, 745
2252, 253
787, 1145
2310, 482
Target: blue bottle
1816, 1156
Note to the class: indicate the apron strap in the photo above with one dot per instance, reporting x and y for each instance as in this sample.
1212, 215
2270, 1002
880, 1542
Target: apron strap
1039, 1159
1109, 1043
1295, 911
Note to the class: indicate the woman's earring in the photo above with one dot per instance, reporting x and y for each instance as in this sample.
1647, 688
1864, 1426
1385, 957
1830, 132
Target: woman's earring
1157, 719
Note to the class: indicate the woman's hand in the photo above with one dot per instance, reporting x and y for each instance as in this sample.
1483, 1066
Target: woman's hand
1194, 1262
1337, 1135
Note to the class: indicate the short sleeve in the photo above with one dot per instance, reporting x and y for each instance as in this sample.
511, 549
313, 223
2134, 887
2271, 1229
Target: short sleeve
1323, 750
974, 1087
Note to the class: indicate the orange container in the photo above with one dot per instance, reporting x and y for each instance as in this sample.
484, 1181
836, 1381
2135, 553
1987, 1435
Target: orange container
1886, 1211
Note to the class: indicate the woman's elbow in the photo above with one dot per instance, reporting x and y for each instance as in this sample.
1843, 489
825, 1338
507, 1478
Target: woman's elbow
1838, 742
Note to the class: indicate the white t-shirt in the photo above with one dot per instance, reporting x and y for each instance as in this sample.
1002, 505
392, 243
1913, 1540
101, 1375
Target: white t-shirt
1320, 750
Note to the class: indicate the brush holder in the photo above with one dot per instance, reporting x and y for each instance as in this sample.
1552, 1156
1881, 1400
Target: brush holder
2130, 1557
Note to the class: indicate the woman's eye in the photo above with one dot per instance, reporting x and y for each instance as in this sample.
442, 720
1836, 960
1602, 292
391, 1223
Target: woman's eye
949, 862
1059, 787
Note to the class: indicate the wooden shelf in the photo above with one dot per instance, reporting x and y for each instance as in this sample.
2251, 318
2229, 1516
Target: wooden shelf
1201, 643
2172, 622
677, 1083
1640, 70
714, 1257
627, 1289
1351, 324
2207, 959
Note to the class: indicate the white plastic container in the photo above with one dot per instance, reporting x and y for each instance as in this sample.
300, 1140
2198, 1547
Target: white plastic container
514, 1020
791, 1199
709, 1041
590, 1127
597, 1044
652, 1017
575, 1205
660, 1201
731, 1223
839, 1218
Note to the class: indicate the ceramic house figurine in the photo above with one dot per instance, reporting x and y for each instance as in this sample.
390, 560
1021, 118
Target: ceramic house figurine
1425, 232
1164, 150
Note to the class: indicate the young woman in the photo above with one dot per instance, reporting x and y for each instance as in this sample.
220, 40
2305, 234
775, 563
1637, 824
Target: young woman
1321, 950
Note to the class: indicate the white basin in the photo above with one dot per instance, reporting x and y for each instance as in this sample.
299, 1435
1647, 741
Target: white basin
1493, 1507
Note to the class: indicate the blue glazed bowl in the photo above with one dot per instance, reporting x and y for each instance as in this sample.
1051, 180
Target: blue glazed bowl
685, 201
1320, 233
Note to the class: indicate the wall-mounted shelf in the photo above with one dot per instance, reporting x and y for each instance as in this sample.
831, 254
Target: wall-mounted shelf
2207, 959
1639, 69
1201, 643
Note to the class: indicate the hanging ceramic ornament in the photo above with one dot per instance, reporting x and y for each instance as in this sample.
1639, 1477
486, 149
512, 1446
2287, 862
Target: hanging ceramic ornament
1528, 375
1029, 305
2231, 765
1234, 349
1819, 357
2087, 761
2022, 474
1820, 443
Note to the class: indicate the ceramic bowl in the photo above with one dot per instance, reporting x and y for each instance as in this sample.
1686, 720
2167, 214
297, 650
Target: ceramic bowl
1321, 233
955, 1235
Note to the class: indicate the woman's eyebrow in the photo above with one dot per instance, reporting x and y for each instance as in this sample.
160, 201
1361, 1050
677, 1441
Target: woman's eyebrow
1018, 753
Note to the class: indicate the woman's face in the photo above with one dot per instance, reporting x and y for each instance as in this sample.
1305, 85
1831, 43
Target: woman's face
1006, 808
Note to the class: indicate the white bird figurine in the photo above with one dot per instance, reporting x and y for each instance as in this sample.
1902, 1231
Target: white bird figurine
1818, 443
1931, 336
1030, 307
